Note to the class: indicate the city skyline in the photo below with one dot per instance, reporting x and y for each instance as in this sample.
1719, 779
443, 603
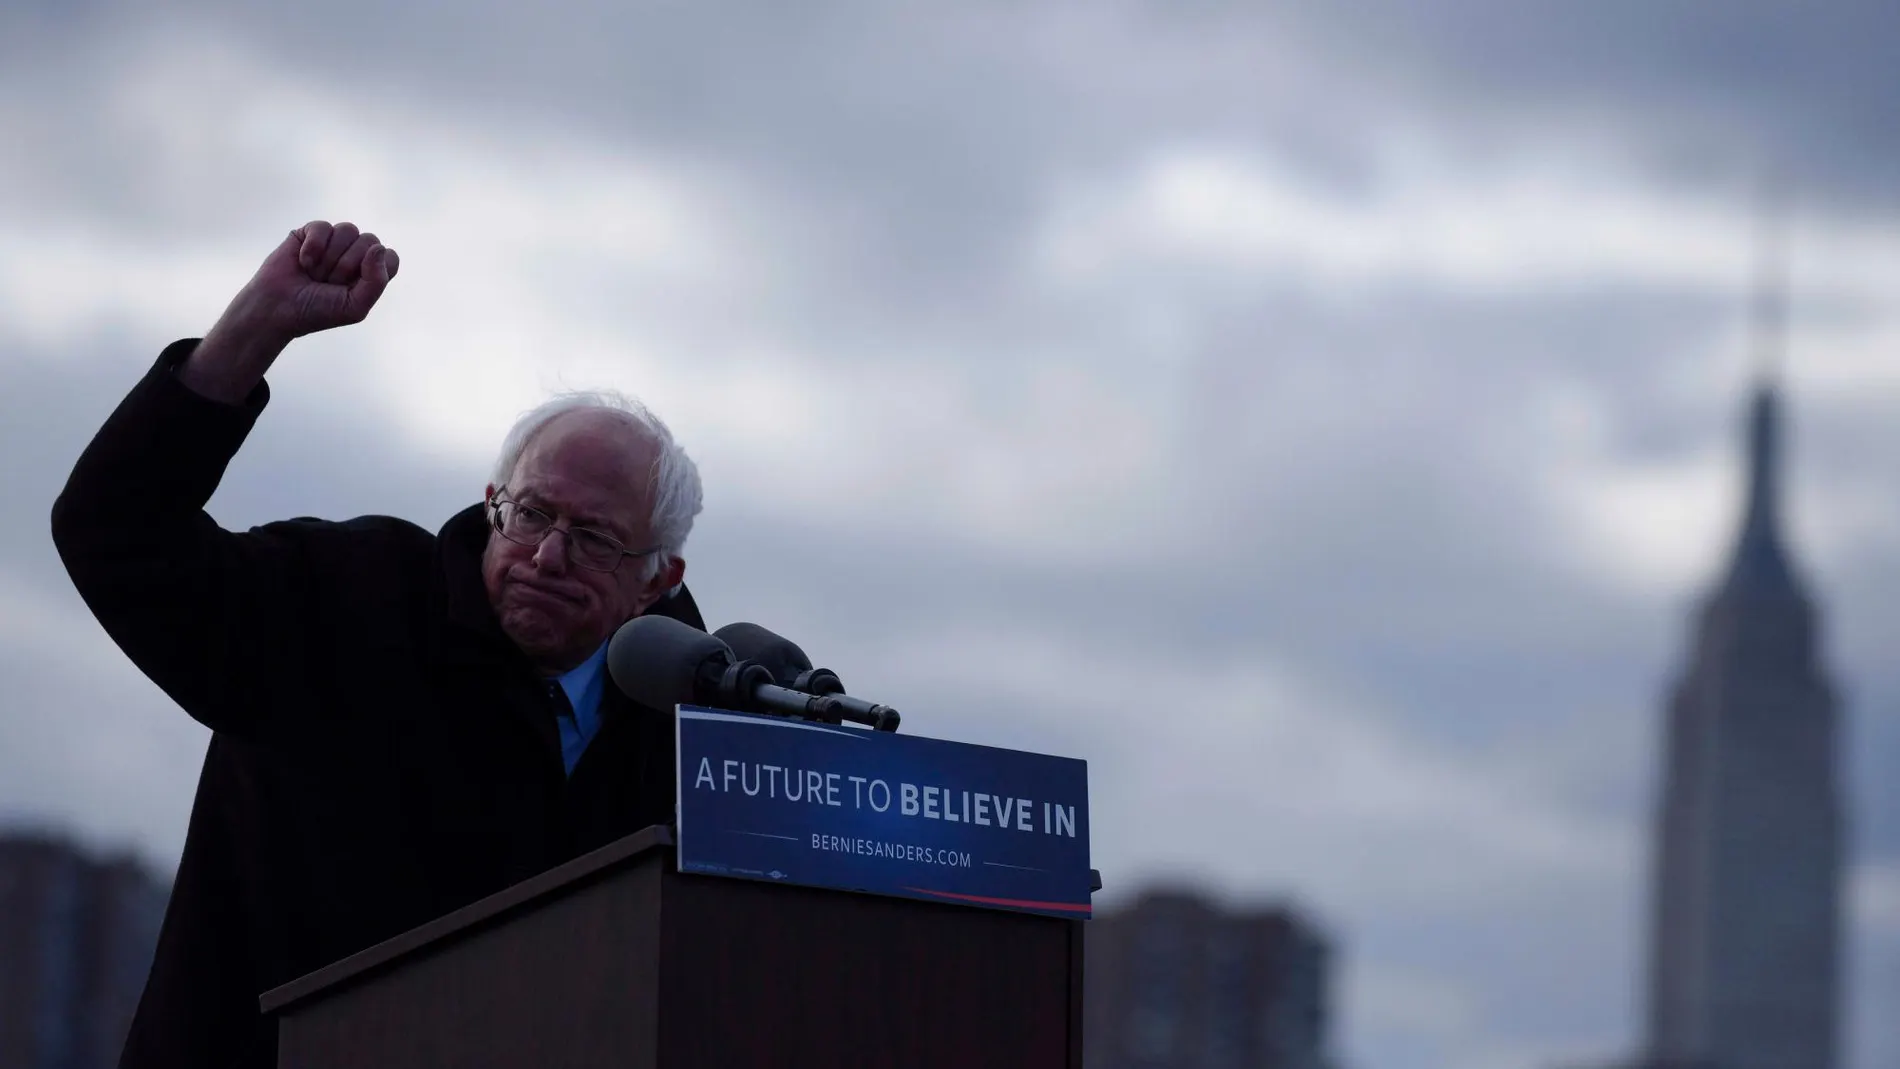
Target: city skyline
77, 931
1745, 929
1177, 979
1749, 825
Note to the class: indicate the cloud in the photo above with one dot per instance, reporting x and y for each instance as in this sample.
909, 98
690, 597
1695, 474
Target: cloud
1323, 432
1703, 90
1432, 223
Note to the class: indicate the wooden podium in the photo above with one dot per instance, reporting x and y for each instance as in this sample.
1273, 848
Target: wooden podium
616, 959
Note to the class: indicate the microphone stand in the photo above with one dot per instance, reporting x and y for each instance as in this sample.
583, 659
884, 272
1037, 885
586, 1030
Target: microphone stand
748, 685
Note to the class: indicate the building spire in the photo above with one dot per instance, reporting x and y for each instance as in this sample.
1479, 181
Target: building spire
1760, 560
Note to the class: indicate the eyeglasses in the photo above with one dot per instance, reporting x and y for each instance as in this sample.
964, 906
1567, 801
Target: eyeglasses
529, 526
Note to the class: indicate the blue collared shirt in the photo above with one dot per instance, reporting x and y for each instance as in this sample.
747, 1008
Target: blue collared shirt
584, 686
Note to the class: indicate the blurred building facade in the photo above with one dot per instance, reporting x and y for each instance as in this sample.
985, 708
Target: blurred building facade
76, 940
1745, 911
1177, 982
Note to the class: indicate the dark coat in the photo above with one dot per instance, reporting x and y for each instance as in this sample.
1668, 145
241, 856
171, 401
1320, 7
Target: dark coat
382, 753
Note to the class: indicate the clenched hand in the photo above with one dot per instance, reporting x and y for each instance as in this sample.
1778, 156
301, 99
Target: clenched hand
320, 276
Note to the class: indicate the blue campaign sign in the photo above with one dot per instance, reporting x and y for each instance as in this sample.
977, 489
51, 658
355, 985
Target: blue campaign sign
768, 798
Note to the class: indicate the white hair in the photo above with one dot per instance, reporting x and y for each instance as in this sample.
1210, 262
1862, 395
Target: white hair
673, 483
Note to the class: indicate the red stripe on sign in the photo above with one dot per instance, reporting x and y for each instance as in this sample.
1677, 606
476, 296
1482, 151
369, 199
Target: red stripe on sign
1020, 903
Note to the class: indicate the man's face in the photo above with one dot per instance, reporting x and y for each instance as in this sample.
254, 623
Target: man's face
585, 469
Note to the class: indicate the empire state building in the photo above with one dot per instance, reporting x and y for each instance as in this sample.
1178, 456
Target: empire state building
1745, 921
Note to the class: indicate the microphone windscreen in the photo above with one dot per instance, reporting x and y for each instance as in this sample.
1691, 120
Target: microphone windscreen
781, 655
655, 660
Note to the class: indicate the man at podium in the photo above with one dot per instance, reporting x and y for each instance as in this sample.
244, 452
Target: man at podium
404, 720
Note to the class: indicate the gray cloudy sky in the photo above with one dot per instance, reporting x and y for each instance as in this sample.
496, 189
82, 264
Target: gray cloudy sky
1321, 418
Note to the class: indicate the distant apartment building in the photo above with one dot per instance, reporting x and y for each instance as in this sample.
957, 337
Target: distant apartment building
1175, 981
76, 939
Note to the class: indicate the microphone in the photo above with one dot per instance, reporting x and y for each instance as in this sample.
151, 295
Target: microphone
660, 662
793, 670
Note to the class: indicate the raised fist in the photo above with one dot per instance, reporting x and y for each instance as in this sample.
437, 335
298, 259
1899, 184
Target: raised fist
321, 276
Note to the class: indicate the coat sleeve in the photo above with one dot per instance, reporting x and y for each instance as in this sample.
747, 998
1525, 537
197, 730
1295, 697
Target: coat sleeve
229, 625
